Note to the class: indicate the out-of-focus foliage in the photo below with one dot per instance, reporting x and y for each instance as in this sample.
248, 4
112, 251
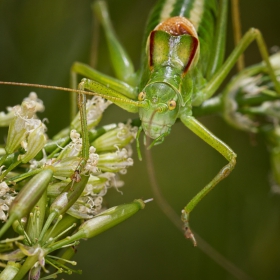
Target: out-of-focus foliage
240, 218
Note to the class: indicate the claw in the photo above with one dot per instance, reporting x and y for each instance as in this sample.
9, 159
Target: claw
190, 235
187, 231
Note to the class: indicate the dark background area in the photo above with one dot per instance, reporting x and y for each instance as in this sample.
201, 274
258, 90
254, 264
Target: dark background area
39, 41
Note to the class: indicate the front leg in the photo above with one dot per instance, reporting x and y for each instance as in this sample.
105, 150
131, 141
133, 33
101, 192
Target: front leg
202, 132
98, 89
126, 77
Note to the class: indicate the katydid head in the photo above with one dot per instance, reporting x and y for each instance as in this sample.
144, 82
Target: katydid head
160, 111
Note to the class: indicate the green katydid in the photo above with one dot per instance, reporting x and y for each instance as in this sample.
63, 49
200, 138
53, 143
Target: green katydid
179, 70
182, 66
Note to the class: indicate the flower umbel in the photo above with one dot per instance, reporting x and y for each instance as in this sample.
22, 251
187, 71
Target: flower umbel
48, 189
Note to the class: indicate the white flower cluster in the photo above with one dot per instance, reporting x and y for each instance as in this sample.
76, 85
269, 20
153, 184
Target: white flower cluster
26, 130
7, 195
94, 110
92, 161
74, 147
36, 104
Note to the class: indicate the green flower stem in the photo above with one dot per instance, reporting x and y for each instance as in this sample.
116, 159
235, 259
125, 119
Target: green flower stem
53, 215
67, 255
35, 222
11, 158
23, 176
51, 145
9, 240
94, 134
63, 227
63, 202
10, 271
2, 159
57, 264
11, 167
61, 145
28, 264
66, 231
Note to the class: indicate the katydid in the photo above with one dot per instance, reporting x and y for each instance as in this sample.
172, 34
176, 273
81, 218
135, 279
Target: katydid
182, 66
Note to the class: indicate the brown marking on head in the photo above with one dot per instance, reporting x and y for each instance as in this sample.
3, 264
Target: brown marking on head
152, 35
192, 55
177, 26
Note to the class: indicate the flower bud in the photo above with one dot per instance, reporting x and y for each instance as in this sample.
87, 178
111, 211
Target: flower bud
35, 272
39, 106
16, 134
30, 194
120, 137
35, 143
63, 202
66, 167
28, 197
97, 185
94, 109
91, 164
109, 218
86, 207
115, 162
22, 124
56, 188
74, 147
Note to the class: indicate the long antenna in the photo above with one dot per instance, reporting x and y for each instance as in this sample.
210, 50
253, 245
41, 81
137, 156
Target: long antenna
111, 98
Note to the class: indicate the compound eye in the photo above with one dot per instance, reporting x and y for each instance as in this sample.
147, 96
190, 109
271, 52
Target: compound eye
171, 105
141, 96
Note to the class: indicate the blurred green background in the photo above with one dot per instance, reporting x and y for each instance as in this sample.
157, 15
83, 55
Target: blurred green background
39, 41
